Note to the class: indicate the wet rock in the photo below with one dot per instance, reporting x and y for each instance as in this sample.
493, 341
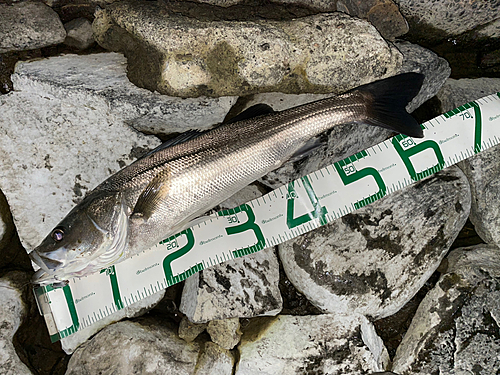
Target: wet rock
70, 343
67, 128
449, 17
383, 14
79, 33
215, 360
144, 347
375, 259
243, 287
225, 333
456, 327
320, 344
12, 312
482, 170
189, 331
321, 53
29, 25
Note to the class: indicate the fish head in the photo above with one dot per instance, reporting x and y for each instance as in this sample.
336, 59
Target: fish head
90, 237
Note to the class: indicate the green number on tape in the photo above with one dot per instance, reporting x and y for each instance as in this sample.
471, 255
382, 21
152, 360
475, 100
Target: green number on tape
463, 112
317, 212
349, 174
111, 272
167, 262
405, 154
250, 224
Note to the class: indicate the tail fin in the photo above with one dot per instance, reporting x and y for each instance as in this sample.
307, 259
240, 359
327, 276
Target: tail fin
389, 99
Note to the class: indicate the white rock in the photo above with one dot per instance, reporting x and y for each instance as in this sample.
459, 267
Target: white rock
455, 329
144, 347
243, 287
375, 259
214, 361
321, 344
29, 25
12, 312
79, 33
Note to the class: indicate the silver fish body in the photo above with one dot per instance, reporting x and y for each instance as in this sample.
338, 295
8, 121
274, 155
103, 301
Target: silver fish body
158, 195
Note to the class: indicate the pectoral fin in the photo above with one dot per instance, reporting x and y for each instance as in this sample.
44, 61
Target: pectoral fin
153, 196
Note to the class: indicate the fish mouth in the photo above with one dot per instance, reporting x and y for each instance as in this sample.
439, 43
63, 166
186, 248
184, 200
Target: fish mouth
47, 264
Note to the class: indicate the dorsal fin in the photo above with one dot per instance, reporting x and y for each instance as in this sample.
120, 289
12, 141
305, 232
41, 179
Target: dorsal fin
251, 112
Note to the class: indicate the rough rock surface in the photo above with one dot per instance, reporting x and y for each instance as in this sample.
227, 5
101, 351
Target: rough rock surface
449, 16
70, 343
66, 129
322, 53
483, 169
321, 344
383, 14
214, 360
225, 333
243, 287
189, 331
144, 347
79, 33
12, 313
375, 259
29, 25
456, 327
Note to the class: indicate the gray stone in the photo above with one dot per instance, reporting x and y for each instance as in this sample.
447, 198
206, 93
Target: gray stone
450, 17
383, 14
482, 170
79, 33
70, 343
321, 53
243, 287
144, 347
321, 344
29, 25
456, 92
456, 327
375, 259
225, 333
422, 60
215, 361
66, 129
323, 5
12, 312
189, 331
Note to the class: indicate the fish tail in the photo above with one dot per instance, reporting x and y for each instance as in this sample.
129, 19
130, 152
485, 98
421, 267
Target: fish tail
387, 103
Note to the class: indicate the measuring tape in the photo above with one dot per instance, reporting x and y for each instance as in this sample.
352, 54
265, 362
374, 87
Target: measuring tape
285, 213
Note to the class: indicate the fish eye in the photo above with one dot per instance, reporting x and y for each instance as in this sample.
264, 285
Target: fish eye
57, 234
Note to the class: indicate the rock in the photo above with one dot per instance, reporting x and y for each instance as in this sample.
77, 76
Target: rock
12, 312
448, 17
456, 327
70, 343
482, 169
79, 33
383, 14
422, 60
375, 259
29, 25
490, 31
215, 360
66, 129
225, 333
321, 53
189, 331
243, 287
143, 347
321, 5
321, 344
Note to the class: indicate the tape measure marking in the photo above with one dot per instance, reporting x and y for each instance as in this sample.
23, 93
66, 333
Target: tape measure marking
285, 213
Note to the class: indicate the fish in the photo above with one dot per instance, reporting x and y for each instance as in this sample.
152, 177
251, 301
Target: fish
162, 193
